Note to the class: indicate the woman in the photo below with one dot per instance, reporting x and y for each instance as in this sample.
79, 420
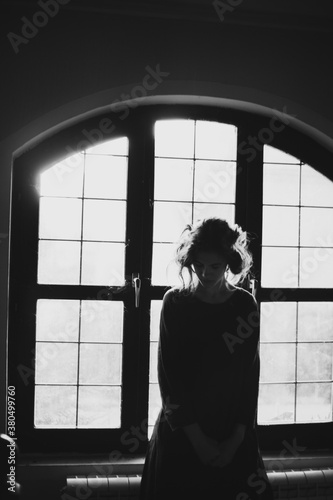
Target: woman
204, 443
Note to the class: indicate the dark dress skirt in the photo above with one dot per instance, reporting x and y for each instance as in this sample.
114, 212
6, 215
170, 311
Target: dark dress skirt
208, 370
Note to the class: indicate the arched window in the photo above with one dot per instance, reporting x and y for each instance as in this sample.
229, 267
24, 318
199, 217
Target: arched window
96, 212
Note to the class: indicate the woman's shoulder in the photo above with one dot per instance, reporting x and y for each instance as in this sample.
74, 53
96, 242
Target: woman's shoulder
177, 295
245, 297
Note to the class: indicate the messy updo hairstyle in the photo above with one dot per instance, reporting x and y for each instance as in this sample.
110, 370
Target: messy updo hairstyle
213, 235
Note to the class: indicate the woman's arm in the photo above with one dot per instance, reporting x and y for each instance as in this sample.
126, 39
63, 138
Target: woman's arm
206, 449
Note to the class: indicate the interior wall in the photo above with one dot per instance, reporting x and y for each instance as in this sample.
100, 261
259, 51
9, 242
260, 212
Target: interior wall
78, 61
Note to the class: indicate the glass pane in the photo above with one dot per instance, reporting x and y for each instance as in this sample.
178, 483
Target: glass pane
314, 402
273, 155
170, 219
101, 321
164, 268
59, 262
174, 138
277, 363
215, 141
314, 362
114, 147
56, 363
317, 227
315, 321
57, 320
99, 407
204, 210
155, 403
280, 226
104, 220
316, 267
215, 181
155, 315
60, 218
316, 189
105, 177
173, 179
100, 364
103, 263
279, 267
278, 321
153, 362
281, 184
64, 178
55, 406
276, 403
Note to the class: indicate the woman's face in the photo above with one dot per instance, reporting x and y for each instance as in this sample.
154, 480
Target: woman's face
210, 269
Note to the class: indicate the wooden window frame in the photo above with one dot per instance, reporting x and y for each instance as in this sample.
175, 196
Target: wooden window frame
23, 290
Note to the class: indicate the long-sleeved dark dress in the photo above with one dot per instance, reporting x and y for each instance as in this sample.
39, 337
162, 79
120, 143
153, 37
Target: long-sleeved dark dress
208, 370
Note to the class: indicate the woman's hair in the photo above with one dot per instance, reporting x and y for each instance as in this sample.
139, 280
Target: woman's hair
213, 235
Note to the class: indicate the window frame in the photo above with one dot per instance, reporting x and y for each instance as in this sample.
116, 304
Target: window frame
138, 127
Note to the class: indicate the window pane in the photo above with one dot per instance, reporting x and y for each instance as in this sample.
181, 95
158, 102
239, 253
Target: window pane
105, 177
281, 184
278, 321
103, 263
317, 227
100, 364
101, 321
170, 220
99, 407
56, 363
104, 220
203, 210
273, 155
164, 268
279, 267
316, 189
314, 402
314, 362
114, 147
316, 267
155, 403
276, 403
155, 314
280, 226
315, 321
153, 362
173, 179
215, 181
64, 178
59, 262
174, 138
215, 141
277, 363
55, 406
60, 218
57, 320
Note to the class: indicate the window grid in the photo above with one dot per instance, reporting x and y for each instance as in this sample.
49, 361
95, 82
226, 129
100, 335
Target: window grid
51, 229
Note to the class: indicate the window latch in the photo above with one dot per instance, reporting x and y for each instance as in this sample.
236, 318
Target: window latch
136, 282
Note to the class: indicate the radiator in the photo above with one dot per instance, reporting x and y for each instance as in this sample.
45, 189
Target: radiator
292, 485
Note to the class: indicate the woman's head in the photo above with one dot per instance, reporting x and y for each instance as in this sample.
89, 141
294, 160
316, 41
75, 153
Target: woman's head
213, 243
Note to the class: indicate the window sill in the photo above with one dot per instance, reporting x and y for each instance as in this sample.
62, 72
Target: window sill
272, 461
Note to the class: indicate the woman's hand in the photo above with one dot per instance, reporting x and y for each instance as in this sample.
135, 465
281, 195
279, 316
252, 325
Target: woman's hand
207, 450
229, 447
